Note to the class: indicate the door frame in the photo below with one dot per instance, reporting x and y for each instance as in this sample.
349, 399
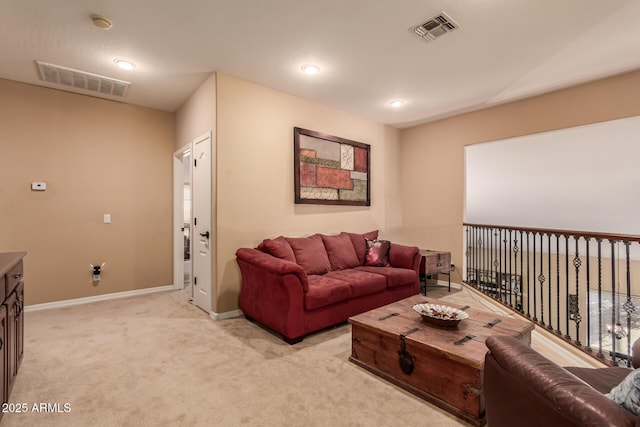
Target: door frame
178, 217
178, 220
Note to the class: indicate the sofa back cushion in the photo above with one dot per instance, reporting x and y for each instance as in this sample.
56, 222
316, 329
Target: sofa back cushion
341, 252
360, 245
278, 247
310, 254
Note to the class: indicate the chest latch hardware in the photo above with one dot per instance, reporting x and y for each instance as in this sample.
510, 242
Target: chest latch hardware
405, 359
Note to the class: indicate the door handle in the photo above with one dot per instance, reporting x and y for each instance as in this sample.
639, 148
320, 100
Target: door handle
205, 234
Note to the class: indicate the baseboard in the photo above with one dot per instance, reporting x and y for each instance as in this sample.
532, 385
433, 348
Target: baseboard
226, 315
87, 300
445, 284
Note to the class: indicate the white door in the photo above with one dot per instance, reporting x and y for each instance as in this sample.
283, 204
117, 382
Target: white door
202, 232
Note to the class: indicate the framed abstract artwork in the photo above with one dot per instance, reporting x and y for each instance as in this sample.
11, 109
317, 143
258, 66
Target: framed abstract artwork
329, 170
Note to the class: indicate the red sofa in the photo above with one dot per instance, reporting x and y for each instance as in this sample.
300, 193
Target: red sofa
296, 286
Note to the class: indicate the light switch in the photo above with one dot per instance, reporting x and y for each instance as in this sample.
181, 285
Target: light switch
107, 218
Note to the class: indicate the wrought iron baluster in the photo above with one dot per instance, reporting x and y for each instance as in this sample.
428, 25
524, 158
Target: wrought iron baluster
566, 274
576, 313
472, 251
483, 232
535, 302
550, 324
479, 245
494, 274
486, 237
557, 284
518, 284
628, 306
541, 279
600, 354
613, 300
510, 275
499, 284
588, 268
528, 276
475, 255
466, 254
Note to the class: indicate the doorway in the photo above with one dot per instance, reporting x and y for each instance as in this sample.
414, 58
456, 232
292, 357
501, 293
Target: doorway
186, 228
194, 235
182, 220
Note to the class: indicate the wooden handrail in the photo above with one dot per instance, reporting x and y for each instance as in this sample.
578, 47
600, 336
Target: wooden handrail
586, 234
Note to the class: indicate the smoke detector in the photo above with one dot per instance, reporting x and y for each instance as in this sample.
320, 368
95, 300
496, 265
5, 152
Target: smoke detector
82, 81
435, 27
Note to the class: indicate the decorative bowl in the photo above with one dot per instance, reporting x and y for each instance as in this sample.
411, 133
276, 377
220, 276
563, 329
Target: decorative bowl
440, 315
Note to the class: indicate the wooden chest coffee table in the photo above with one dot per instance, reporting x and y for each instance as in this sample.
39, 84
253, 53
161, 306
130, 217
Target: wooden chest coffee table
443, 366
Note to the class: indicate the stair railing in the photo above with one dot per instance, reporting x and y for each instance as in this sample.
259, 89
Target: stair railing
579, 285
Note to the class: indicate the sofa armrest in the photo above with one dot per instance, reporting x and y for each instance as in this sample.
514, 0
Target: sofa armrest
272, 291
404, 256
273, 265
523, 387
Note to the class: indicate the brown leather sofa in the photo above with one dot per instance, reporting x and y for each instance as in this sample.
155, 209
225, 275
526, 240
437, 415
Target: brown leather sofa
524, 389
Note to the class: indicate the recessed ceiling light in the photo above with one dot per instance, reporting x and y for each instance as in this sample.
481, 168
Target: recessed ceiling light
311, 69
397, 104
101, 22
124, 64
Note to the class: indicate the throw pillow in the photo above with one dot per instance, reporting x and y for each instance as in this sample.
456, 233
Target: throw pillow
341, 252
360, 245
279, 248
377, 254
310, 254
627, 393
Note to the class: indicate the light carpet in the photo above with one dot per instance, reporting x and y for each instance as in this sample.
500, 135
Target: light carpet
156, 360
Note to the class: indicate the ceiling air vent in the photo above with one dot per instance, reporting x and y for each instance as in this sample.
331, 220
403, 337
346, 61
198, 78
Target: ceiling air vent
81, 80
435, 27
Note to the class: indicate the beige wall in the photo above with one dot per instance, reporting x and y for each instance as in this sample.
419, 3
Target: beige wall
97, 157
197, 115
255, 175
432, 155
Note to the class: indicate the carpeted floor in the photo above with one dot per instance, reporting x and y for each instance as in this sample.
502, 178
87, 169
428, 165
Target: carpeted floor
156, 360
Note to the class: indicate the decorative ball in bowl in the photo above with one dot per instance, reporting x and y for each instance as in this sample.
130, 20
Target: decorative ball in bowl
440, 315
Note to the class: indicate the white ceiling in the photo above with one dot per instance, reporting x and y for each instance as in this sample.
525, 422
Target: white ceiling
504, 49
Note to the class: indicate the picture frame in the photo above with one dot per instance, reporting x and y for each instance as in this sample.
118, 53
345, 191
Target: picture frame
329, 170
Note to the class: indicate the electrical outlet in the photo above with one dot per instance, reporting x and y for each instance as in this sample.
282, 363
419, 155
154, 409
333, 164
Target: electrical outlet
453, 267
38, 186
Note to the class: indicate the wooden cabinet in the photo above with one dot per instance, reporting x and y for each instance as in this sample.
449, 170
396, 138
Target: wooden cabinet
11, 320
434, 262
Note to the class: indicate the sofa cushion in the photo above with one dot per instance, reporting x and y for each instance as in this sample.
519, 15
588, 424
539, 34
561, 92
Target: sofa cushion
361, 282
279, 248
394, 276
360, 245
340, 251
404, 256
377, 254
325, 291
310, 254
627, 393
602, 379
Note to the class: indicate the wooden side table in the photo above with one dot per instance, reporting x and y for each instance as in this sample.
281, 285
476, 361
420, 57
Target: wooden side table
434, 262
